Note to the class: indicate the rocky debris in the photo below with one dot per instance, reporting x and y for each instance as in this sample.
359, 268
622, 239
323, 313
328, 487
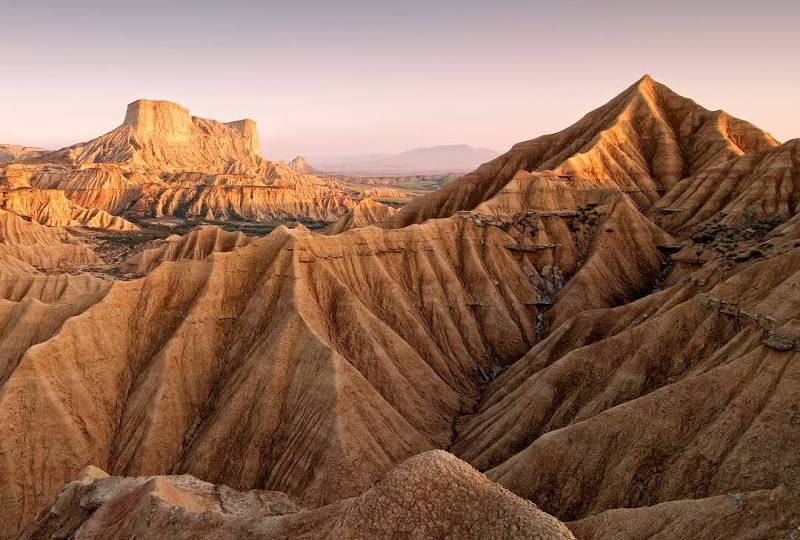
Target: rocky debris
782, 341
483, 220
774, 337
727, 237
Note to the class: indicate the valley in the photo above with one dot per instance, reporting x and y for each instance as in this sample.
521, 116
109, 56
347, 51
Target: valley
592, 335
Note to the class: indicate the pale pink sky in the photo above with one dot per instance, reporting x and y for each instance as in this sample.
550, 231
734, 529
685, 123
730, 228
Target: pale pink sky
357, 76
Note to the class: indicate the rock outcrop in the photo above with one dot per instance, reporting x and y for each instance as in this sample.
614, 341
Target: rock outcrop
162, 160
432, 495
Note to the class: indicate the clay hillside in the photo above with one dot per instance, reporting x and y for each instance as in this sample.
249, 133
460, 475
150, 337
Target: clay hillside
594, 335
163, 161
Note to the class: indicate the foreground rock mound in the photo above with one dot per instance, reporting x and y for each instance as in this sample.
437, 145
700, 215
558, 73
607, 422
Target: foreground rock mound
432, 495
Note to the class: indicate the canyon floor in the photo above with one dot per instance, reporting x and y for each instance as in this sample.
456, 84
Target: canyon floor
595, 335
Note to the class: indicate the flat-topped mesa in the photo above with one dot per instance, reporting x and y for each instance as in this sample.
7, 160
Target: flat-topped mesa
249, 131
147, 116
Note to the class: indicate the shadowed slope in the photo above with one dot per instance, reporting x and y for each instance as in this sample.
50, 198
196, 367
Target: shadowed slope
758, 185
671, 392
755, 514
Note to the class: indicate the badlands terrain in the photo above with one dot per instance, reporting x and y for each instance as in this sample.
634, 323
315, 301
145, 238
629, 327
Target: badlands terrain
593, 335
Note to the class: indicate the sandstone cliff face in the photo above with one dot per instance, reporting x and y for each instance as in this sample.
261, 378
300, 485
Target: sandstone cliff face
553, 336
249, 131
161, 161
148, 118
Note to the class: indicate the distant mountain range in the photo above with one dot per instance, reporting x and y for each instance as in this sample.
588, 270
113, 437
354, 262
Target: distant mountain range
427, 160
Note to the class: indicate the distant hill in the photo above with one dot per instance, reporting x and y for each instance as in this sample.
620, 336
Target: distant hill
427, 160
301, 165
10, 152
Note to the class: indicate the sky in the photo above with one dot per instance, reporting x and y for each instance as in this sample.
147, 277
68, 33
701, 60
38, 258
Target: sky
355, 76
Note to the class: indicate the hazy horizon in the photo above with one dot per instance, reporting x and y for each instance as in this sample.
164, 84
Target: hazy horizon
359, 77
